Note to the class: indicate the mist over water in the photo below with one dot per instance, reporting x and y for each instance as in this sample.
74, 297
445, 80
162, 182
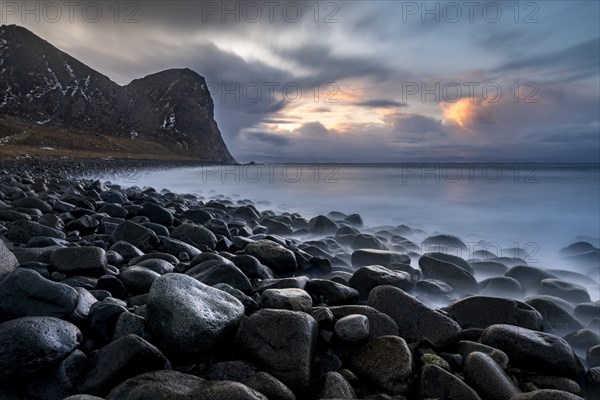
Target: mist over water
538, 207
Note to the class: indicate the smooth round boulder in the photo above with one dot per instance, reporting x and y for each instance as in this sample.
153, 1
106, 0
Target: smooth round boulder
436, 383
8, 261
385, 362
286, 299
489, 380
195, 235
334, 386
450, 258
85, 260
571, 292
30, 344
482, 311
282, 342
137, 280
273, 255
188, 317
135, 234
322, 226
25, 293
368, 277
532, 350
405, 310
330, 292
157, 214
555, 319
119, 360
352, 328
461, 280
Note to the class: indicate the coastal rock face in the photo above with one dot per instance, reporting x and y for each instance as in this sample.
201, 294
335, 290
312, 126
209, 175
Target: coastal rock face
189, 317
170, 112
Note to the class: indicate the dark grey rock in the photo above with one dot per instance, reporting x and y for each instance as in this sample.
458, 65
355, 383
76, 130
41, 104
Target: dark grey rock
25, 293
528, 277
22, 231
452, 259
460, 279
137, 235
286, 299
282, 342
532, 350
335, 386
385, 362
482, 311
157, 214
352, 328
8, 261
195, 235
380, 324
501, 286
30, 344
88, 260
322, 226
487, 378
436, 383
466, 347
189, 317
137, 280
405, 310
212, 272
119, 360
331, 293
368, 277
571, 292
547, 394
555, 320
273, 255
270, 386
32, 202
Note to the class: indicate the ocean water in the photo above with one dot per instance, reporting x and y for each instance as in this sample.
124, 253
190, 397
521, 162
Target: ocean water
537, 207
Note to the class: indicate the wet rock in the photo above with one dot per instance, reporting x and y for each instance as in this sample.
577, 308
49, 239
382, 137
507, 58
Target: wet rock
369, 277
405, 310
26, 293
22, 231
270, 386
195, 235
335, 386
571, 292
322, 226
30, 344
481, 312
532, 350
273, 255
487, 378
437, 383
385, 362
286, 299
331, 293
87, 261
282, 342
135, 234
555, 320
119, 360
189, 317
352, 328
454, 275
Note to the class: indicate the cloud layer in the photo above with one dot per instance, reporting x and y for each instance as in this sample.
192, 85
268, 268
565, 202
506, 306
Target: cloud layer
366, 81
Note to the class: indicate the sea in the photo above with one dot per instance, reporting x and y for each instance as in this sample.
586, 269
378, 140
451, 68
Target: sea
537, 208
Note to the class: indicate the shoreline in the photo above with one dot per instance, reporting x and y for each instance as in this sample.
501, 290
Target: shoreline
218, 299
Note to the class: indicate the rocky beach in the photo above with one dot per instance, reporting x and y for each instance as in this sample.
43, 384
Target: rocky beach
123, 293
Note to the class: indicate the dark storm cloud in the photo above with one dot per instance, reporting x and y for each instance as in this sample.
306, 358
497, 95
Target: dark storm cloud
582, 60
274, 139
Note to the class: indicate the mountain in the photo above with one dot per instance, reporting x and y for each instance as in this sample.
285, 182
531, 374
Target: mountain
53, 101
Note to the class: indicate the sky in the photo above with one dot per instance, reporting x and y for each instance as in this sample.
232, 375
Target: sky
360, 81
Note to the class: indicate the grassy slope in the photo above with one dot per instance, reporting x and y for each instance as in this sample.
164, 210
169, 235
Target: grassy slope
20, 139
